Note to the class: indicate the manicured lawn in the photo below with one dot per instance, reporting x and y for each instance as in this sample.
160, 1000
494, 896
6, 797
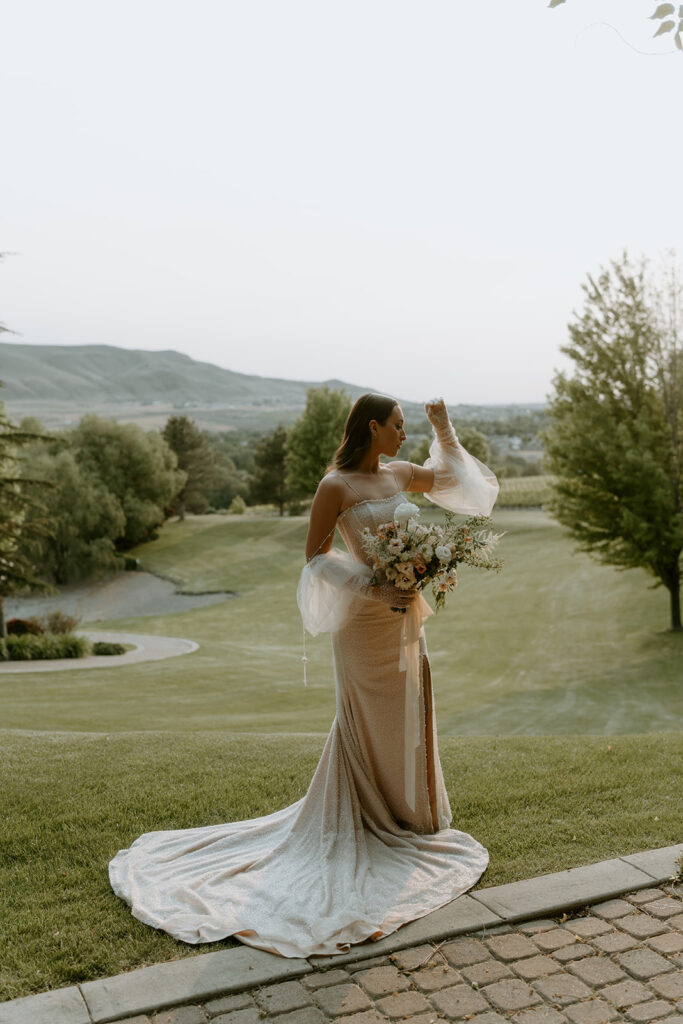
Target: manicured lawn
554, 644
71, 800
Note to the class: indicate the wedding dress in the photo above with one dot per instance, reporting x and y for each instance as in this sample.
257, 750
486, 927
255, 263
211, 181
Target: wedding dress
369, 846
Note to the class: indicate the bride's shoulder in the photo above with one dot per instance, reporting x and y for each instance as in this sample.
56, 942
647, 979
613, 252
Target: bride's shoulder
331, 484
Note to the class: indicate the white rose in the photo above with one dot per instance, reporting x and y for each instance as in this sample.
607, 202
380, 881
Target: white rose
403, 512
443, 553
427, 552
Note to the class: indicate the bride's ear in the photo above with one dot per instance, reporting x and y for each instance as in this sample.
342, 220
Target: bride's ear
372, 427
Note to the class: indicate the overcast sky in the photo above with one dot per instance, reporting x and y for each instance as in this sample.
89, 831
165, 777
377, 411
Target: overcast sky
406, 195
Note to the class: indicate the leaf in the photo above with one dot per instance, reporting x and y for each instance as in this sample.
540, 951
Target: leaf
555, 3
666, 26
677, 41
662, 11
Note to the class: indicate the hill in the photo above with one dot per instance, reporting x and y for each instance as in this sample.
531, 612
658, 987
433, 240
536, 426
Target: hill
58, 383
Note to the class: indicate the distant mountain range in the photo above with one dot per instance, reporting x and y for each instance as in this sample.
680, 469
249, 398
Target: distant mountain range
104, 373
58, 383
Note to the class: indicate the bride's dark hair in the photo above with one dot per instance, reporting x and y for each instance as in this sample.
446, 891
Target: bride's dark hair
357, 437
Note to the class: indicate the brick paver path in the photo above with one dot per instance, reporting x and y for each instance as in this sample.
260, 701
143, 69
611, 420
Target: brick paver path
622, 960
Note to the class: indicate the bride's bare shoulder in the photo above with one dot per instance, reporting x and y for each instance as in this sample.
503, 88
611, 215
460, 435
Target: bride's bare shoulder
331, 485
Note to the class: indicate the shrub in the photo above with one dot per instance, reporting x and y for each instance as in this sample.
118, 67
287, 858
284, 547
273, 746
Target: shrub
59, 622
17, 627
130, 563
238, 505
30, 647
103, 647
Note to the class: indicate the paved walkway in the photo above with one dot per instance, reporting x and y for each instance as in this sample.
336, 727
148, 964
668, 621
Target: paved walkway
620, 960
597, 943
147, 648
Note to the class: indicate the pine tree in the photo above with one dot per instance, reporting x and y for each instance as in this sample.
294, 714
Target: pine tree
204, 468
19, 499
268, 479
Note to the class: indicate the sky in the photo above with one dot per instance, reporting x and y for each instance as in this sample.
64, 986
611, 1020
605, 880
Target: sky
403, 195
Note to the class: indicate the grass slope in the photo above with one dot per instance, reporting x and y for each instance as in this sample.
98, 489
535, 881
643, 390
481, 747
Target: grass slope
555, 644
71, 800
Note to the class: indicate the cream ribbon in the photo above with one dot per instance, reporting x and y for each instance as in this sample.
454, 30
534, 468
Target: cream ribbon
409, 662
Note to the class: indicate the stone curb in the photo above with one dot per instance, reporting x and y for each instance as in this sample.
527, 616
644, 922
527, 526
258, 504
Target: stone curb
208, 975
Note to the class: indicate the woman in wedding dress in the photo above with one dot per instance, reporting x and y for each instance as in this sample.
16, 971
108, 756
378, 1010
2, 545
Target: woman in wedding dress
369, 846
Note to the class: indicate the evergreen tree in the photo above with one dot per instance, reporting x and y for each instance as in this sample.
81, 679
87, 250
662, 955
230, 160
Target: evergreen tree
615, 440
22, 517
268, 478
205, 470
315, 437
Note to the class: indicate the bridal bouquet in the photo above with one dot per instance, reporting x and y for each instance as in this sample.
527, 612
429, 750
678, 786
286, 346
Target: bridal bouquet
410, 554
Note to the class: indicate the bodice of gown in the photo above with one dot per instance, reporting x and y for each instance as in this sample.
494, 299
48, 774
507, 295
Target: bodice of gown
371, 513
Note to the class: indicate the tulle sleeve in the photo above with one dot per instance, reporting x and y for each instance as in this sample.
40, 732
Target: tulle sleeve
329, 585
461, 482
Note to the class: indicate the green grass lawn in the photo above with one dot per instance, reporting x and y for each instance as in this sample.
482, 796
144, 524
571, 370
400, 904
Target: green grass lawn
555, 657
71, 800
554, 644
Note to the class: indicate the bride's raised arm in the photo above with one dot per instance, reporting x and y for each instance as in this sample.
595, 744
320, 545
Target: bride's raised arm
451, 477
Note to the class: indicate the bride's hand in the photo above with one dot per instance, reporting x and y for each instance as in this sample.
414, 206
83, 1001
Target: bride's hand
437, 413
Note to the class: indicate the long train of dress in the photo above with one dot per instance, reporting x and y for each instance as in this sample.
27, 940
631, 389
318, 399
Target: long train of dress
356, 857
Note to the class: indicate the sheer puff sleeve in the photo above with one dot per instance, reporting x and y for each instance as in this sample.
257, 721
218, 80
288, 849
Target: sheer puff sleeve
328, 586
461, 482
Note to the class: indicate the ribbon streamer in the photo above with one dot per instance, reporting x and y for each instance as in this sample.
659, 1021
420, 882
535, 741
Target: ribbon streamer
409, 662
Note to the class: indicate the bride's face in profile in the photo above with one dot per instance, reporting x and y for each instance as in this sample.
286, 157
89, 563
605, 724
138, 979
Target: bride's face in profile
389, 437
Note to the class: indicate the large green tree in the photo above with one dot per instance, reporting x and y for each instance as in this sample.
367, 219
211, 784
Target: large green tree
206, 471
315, 437
268, 478
615, 440
137, 466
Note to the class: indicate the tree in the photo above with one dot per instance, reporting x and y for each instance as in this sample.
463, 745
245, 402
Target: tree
315, 437
86, 519
138, 467
663, 14
615, 440
268, 478
18, 501
205, 470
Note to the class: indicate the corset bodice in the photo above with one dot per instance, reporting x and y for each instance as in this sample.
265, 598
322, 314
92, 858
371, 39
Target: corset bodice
371, 512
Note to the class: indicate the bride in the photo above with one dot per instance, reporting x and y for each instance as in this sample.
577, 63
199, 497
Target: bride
369, 847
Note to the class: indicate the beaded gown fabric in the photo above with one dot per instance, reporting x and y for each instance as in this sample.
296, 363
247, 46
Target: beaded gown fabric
362, 853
